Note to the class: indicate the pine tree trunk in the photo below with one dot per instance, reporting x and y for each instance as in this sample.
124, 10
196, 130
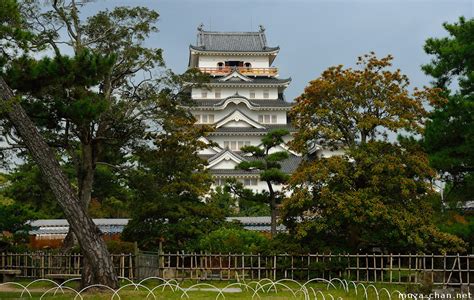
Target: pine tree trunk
85, 178
92, 245
273, 210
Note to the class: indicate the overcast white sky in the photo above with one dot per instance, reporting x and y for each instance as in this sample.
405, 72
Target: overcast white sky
312, 35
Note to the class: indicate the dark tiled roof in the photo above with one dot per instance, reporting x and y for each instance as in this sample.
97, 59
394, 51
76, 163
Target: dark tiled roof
232, 41
256, 223
116, 226
61, 226
267, 128
254, 102
217, 155
288, 166
233, 172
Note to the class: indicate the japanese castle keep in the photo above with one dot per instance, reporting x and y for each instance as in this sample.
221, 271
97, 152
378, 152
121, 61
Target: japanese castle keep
243, 101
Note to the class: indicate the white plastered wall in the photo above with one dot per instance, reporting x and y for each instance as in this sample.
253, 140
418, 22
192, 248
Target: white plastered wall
253, 114
242, 91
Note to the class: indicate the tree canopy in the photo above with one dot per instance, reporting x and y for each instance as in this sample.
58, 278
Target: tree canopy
267, 162
449, 134
344, 107
378, 194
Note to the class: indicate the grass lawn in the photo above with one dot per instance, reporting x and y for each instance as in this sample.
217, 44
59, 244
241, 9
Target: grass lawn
205, 290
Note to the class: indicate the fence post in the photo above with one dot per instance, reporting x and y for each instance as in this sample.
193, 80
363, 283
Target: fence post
391, 265
259, 266
409, 268
444, 271
274, 267
357, 265
416, 268
468, 271
243, 266
308, 266
367, 266
220, 266
228, 267
460, 272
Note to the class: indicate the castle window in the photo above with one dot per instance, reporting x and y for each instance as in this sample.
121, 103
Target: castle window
267, 119
217, 94
248, 65
205, 119
250, 181
252, 94
235, 145
220, 65
234, 63
203, 94
220, 181
266, 94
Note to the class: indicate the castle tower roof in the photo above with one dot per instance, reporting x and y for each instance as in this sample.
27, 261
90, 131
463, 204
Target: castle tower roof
214, 41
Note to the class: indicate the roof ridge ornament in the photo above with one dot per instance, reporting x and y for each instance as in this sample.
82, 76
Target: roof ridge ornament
200, 27
262, 29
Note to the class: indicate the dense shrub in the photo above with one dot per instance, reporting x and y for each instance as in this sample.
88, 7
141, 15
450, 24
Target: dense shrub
119, 247
234, 240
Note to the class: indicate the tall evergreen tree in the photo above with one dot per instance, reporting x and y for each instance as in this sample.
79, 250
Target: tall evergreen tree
268, 163
449, 134
169, 184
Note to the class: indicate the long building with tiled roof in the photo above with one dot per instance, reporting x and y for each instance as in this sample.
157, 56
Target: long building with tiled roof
243, 101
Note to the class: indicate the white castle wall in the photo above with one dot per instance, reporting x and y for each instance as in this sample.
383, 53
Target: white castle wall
253, 114
227, 92
254, 140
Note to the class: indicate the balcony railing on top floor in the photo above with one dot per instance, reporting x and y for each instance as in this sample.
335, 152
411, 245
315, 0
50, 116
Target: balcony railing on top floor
241, 70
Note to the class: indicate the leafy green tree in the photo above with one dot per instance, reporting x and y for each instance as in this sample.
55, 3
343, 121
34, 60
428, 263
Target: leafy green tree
14, 230
169, 185
345, 107
236, 200
27, 186
378, 193
98, 267
449, 134
452, 57
269, 166
96, 104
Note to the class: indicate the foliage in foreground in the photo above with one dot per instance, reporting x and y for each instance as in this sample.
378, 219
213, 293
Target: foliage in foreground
378, 194
234, 240
449, 134
168, 184
389, 207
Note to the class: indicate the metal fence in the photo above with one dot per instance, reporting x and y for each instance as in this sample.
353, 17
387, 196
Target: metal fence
445, 270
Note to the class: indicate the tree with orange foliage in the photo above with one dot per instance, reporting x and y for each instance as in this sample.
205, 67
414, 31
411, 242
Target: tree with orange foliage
378, 194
